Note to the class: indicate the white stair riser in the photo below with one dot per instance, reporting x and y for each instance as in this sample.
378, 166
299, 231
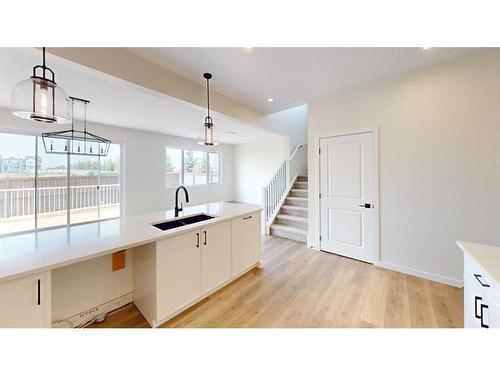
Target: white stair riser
300, 185
298, 193
292, 223
290, 235
293, 212
293, 202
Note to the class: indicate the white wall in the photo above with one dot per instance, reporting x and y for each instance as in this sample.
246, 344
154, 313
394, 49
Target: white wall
439, 168
290, 122
87, 284
254, 164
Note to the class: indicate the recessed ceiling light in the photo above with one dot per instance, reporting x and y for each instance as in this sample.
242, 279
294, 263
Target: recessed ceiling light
426, 47
270, 100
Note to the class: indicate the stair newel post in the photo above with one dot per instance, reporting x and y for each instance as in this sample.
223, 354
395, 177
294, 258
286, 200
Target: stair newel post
266, 209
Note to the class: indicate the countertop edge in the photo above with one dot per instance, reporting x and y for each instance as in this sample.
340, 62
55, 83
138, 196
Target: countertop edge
112, 249
466, 246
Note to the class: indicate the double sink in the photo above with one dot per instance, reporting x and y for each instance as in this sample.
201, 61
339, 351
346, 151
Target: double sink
182, 221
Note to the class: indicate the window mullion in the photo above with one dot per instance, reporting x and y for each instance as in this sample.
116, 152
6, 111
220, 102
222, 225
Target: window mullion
182, 166
36, 182
68, 188
207, 167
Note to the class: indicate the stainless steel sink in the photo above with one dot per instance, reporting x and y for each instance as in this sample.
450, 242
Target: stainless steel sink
182, 221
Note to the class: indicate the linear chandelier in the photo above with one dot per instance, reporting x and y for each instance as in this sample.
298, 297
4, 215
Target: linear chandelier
76, 142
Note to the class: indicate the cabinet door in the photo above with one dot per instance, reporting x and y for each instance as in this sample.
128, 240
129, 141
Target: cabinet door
178, 270
216, 255
25, 302
245, 242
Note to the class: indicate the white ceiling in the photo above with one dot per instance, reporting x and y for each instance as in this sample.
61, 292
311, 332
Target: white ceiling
119, 103
292, 76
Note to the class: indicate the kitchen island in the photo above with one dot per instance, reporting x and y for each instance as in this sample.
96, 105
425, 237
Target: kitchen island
481, 285
172, 269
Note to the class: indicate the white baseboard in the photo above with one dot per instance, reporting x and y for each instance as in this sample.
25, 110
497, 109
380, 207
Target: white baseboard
87, 315
421, 274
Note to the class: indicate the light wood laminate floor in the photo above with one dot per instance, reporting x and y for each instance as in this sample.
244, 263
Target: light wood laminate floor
299, 287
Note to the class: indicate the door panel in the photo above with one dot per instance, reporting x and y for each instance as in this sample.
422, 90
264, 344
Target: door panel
346, 184
345, 160
345, 226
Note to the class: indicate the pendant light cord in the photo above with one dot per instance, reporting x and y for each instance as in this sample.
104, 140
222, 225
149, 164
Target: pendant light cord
208, 96
43, 62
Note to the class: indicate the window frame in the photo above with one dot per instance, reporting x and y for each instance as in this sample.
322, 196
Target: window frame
68, 224
207, 167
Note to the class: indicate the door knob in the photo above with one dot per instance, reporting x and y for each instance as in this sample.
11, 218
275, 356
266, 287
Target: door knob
365, 205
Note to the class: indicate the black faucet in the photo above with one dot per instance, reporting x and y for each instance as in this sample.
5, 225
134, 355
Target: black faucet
177, 209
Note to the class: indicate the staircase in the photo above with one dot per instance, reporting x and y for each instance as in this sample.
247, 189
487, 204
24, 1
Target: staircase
291, 220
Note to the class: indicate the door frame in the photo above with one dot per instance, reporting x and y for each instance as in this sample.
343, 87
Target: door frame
375, 182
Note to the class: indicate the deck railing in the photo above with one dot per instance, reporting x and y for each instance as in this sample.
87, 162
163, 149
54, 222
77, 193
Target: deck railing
21, 202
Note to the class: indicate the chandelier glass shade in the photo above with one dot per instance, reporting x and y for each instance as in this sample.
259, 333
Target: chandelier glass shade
39, 98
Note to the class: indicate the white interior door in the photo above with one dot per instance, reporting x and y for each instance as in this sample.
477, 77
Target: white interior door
346, 200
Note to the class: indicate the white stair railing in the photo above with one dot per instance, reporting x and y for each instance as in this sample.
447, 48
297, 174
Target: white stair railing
274, 193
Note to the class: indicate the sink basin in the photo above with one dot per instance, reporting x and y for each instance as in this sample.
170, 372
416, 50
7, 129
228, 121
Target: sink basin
182, 221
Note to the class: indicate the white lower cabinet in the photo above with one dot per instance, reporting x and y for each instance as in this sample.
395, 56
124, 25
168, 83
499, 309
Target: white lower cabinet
246, 250
177, 272
481, 309
216, 256
25, 302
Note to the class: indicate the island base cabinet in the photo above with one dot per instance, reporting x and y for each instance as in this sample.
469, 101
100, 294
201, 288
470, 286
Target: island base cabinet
178, 270
25, 302
481, 309
246, 249
174, 273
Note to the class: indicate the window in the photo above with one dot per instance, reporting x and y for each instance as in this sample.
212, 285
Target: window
192, 167
213, 168
174, 167
91, 193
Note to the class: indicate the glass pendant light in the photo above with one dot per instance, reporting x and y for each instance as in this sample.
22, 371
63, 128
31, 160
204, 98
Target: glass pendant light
39, 98
207, 134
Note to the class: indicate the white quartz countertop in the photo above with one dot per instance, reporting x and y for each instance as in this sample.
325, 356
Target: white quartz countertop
486, 255
33, 252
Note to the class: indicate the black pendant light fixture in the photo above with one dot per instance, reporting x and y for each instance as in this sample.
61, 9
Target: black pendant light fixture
76, 142
39, 98
207, 134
